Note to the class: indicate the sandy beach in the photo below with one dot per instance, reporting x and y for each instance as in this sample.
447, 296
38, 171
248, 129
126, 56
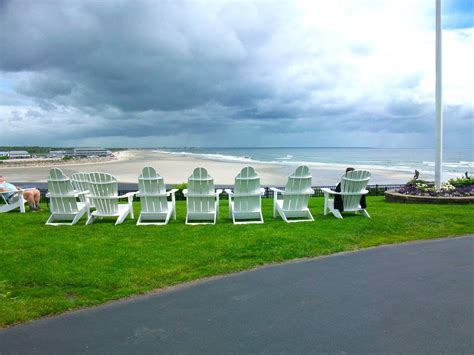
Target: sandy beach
176, 168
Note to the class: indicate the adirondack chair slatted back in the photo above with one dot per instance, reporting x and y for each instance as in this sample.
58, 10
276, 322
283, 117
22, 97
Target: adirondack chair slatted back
201, 192
101, 186
62, 199
152, 191
80, 181
298, 190
247, 195
353, 182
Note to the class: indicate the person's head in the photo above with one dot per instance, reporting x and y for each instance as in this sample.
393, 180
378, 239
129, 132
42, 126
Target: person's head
349, 169
2, 180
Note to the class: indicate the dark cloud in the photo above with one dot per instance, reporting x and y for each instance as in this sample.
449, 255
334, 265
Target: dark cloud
164, 68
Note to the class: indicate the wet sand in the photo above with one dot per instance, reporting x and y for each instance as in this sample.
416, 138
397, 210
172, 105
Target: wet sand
177, 168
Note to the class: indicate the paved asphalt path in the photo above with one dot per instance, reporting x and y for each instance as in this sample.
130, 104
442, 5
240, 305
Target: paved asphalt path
409, 298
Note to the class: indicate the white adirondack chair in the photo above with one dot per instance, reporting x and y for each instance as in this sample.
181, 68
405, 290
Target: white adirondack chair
202, 201
155, 207
104, 196
80, 181
353, 185
20, 203
295, 197
63, 200
245, 201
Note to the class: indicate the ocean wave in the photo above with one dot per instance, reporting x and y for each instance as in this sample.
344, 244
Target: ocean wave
286, 161
286, 157
460, 164
209, 156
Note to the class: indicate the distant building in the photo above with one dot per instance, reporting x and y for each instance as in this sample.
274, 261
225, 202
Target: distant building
60, 153
91, 152
3, 154
18, 154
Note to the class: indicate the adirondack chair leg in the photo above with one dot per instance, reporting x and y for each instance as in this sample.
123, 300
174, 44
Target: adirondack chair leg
282, 214
50, 219
90, 220
122, 217
261, 216
336, 213
173, 200
326, 198
365, 213
230, 207
78, 216
168, 216
22, 202
274, 204
310, 216
130, 206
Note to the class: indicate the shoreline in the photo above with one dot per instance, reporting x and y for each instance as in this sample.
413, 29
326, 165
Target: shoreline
176, 168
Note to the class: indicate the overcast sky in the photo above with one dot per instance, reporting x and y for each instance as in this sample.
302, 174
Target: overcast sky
233, 73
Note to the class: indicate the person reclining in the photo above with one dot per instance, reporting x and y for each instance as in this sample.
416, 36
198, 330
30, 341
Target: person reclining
11, 195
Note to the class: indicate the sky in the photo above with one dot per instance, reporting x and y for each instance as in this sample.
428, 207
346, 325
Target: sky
354, 73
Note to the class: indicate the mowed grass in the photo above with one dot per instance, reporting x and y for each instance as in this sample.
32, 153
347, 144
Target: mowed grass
47, 270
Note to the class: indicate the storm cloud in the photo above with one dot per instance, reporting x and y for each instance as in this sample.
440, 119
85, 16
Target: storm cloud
245, 73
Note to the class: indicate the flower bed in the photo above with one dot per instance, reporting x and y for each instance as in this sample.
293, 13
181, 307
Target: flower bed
456, 191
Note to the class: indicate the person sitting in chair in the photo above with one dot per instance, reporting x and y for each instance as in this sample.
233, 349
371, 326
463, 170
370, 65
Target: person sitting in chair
338, 204
11, 194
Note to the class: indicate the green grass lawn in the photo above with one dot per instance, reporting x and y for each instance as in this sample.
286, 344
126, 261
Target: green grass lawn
47, 270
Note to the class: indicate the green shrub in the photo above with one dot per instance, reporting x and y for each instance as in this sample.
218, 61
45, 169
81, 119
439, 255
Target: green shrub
179, 194
182, 186
462, 181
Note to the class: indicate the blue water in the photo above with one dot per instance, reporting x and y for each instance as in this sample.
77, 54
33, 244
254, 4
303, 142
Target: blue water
456, 161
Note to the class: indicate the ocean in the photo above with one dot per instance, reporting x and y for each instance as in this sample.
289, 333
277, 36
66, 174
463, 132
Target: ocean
456, 161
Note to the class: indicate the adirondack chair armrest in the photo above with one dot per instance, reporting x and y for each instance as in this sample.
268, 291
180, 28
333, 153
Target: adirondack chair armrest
18, 190
329, 191
228, 192
218, 192
185, 192
129, 196
76, 194
23, 190
274, 189
172, 192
